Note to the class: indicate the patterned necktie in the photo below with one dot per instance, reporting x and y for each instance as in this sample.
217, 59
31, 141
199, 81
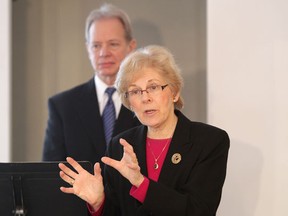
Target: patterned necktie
109, 115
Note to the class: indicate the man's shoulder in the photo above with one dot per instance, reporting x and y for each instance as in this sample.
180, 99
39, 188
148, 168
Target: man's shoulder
74, 91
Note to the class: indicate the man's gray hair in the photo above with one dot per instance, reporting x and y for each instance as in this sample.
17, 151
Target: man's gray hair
109, 11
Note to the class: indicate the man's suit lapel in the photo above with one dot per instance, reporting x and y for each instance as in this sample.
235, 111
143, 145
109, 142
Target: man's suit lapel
125, 120
88, 110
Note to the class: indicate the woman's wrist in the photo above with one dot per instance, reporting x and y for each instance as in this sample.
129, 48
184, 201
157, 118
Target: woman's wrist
139, 181
96, 205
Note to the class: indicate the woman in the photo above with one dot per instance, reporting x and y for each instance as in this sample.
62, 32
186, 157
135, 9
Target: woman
167, 166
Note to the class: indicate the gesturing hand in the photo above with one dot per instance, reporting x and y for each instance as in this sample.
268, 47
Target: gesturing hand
85, 185
128, 165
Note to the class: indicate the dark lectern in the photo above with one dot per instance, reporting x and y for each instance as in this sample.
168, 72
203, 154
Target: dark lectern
32, 189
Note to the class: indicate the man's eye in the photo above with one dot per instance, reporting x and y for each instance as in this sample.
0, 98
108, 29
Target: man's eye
95, 46
114, 44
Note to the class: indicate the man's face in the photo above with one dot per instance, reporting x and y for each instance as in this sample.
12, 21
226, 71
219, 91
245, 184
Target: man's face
107, 47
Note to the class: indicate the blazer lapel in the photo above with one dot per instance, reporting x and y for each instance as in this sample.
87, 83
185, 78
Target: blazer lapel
139, 147
182, 146
172, 168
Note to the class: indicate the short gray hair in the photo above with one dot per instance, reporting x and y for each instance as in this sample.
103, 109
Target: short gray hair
109, 11
154, 57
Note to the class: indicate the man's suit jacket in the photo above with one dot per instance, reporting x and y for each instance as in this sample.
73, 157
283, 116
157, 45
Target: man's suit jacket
75, 125
191, 187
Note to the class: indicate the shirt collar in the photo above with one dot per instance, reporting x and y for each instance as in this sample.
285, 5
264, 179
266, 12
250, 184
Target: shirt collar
100, 86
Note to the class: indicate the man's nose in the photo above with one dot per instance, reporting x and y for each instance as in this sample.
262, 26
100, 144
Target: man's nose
104, 51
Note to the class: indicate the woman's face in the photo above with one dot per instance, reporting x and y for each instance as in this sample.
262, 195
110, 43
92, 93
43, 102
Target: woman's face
154, 107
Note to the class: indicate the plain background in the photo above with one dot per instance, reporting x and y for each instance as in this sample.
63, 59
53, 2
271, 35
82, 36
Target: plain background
247, 74
248, 95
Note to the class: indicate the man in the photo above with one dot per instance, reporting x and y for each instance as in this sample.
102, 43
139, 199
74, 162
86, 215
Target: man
76, 117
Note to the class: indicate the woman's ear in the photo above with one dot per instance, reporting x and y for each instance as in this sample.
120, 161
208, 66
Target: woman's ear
175, 97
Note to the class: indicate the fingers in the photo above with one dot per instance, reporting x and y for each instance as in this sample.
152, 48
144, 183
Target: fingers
74, 164
79, 178
66, 173
67, 190
129, 157
126, 145
128, 149
110, 162
69, 171
97, 169
128, 166
118, 165
69, 175
65, 177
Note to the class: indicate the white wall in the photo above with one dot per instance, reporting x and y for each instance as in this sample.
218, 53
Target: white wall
5, 80
248, 96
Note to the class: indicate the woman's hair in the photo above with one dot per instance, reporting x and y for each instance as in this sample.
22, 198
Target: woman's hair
107, 11
154, 57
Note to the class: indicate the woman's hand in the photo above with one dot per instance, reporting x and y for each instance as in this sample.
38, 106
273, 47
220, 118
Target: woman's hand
128, 166
85, 185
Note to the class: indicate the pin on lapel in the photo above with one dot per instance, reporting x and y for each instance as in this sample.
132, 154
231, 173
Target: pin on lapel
176, 158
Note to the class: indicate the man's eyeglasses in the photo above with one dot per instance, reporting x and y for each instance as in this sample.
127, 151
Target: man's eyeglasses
152, 89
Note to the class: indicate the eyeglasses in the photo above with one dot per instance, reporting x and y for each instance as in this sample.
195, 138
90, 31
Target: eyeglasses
152, 89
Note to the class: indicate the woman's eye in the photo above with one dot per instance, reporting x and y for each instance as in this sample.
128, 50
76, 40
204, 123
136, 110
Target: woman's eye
152, 87
135, 92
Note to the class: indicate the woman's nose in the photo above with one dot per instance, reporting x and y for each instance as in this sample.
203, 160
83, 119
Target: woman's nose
145, 96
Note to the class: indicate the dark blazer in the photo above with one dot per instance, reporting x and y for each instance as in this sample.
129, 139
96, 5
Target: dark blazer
75, 125
192, 187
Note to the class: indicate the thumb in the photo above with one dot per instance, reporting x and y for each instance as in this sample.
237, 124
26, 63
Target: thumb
97, 169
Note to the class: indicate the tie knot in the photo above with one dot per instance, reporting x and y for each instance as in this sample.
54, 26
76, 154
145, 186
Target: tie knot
110, 91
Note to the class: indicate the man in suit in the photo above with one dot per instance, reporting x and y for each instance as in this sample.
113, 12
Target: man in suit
75, 125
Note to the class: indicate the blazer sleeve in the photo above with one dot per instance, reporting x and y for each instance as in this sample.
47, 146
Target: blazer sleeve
54, 147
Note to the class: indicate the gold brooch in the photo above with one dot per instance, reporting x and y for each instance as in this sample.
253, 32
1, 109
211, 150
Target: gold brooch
176, 158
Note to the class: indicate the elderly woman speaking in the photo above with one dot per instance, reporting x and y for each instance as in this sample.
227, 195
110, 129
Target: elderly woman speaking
167, 166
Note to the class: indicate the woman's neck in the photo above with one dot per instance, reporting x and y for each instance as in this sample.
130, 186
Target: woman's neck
164, 131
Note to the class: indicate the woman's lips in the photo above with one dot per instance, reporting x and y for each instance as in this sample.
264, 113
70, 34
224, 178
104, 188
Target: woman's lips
150, 111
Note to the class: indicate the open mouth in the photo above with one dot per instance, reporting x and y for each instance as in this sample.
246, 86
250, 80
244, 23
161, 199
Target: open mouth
150, 111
